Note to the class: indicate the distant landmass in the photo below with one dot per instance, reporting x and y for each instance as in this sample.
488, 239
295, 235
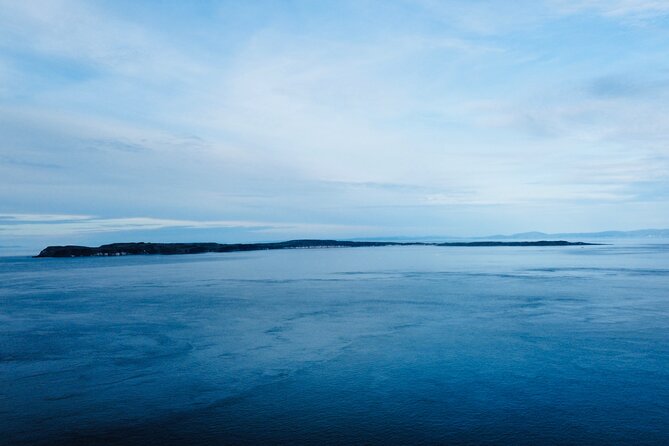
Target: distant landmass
141, 248
642, 233
536, 235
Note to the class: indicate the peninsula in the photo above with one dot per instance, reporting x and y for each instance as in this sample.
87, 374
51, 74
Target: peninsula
141, 248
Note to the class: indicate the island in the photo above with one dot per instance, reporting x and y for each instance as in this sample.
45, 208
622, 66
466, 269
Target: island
142, 248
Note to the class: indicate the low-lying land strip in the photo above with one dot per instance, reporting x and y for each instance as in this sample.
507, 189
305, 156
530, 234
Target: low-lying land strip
141, 248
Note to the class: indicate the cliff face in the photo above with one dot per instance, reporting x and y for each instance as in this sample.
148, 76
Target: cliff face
122, 249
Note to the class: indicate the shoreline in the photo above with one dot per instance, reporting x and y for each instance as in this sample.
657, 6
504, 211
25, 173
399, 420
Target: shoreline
142, 248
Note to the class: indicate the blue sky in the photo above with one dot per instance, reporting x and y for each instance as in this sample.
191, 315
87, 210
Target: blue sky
266, 120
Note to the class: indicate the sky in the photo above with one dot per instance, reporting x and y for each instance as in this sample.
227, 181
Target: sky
261, 120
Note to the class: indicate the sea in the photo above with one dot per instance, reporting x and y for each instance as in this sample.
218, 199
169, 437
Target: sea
380, 346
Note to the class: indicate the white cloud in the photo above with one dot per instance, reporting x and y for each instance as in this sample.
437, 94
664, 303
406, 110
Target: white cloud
46, 225
26, 218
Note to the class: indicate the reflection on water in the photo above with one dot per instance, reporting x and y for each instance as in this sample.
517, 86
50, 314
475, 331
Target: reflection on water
365, 345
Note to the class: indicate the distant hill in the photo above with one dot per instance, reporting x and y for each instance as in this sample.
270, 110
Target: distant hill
536, 235
641, 233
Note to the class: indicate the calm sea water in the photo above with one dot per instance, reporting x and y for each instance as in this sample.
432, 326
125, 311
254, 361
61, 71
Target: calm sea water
395, 345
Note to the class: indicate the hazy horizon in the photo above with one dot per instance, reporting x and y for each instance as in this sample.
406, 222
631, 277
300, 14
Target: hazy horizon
162, 236
256, 121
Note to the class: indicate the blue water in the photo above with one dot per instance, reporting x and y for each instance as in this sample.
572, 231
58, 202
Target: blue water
393, 345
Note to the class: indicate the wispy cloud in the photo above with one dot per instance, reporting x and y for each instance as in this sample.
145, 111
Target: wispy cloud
46, 225
617, 8
82, 33
41, 218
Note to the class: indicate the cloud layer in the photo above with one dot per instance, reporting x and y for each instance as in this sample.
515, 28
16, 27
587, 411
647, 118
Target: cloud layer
403, 117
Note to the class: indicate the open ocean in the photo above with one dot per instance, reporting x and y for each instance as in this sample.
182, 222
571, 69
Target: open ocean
389, 345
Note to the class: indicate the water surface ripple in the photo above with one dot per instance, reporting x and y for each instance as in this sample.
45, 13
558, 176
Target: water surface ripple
391, 345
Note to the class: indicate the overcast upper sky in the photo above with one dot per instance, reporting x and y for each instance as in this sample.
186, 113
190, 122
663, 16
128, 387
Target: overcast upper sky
265, 120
